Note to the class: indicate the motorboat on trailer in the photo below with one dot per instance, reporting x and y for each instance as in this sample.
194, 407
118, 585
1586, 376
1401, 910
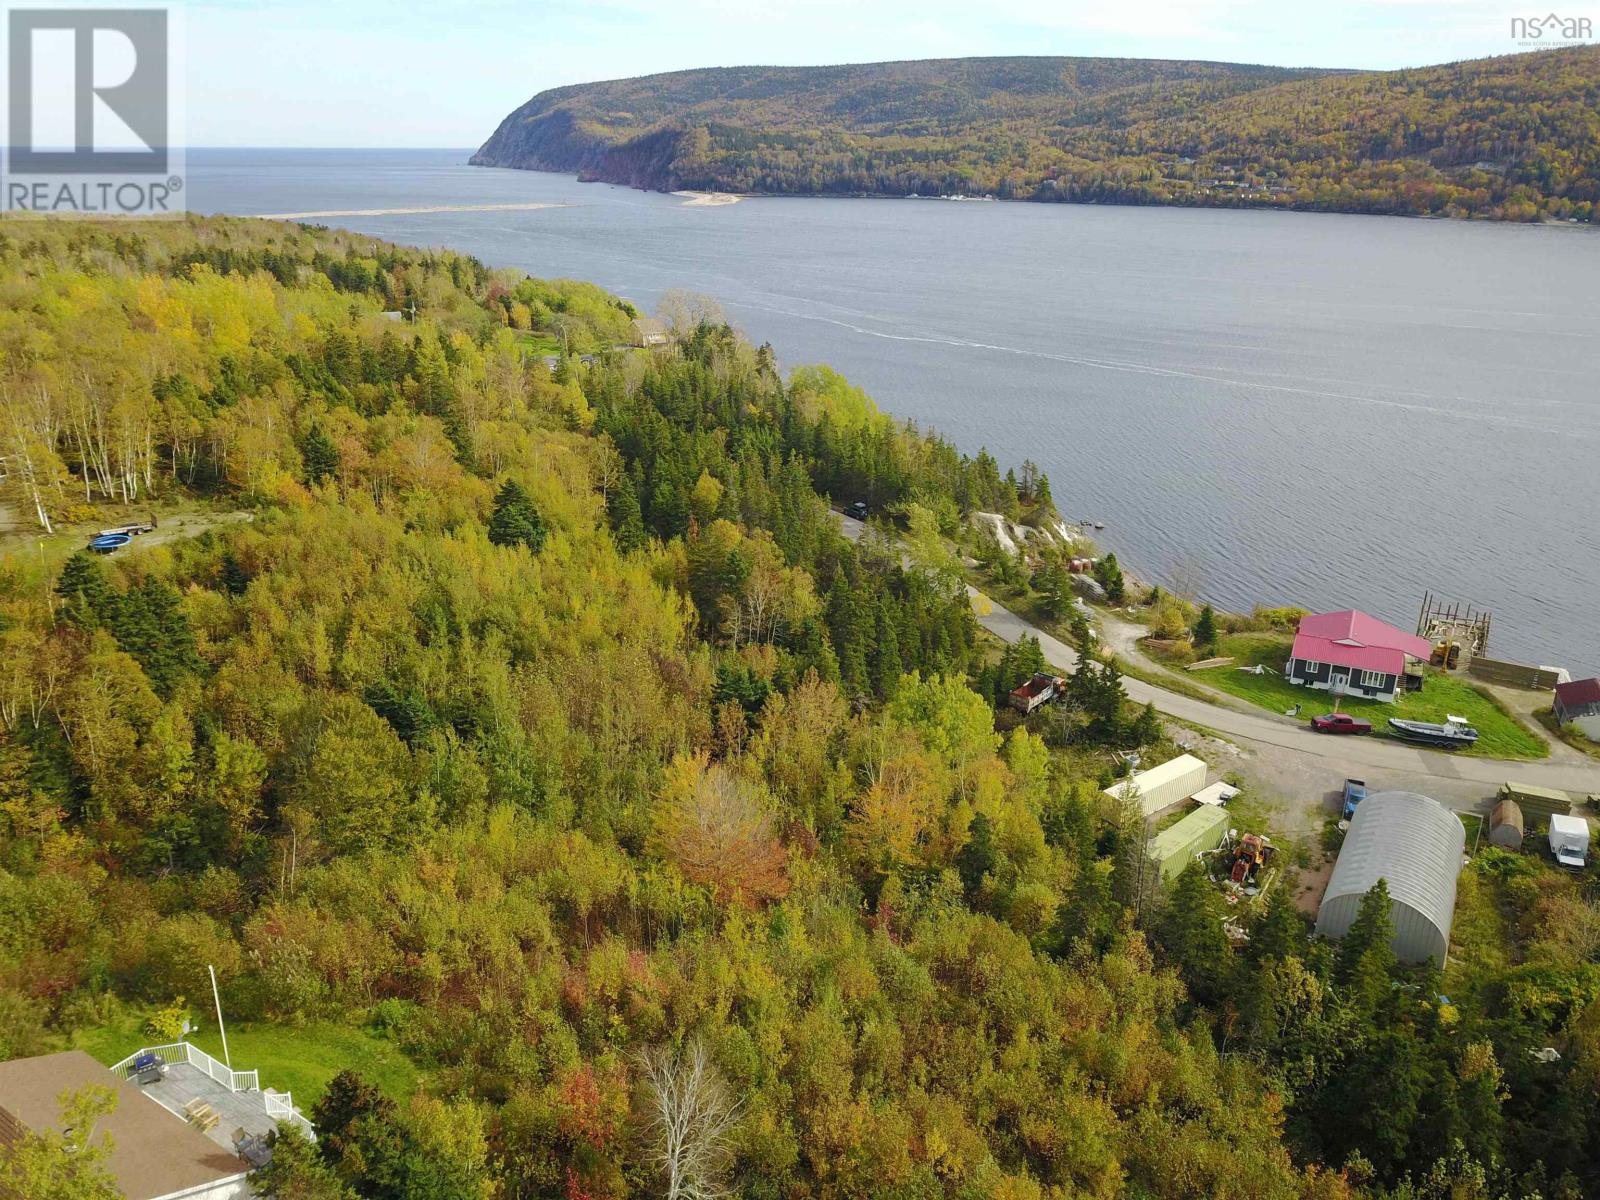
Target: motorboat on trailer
1453, 734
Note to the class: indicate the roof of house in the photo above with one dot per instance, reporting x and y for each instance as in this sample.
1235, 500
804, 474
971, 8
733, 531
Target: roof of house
1578, 693
153, 1152
1349, 638
1038, 684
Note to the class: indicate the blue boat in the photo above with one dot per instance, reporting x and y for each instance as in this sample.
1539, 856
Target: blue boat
107, 542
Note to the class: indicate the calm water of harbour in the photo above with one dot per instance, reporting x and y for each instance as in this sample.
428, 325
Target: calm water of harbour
1266, 407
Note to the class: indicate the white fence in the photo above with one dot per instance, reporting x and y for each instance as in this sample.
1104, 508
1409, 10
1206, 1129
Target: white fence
183, 1052
278, 1105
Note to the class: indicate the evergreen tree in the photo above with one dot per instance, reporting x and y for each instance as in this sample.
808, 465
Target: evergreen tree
151, 626
516, 522
1205, 629
627, 522
1191, 936
1366, 942
90, 599
1079, 633
1055, 592
235, 580
886, 664
976, 859
1096, 690
849, 639
296, 1171
1278, 932
1146, 728
1108, 572
320, 455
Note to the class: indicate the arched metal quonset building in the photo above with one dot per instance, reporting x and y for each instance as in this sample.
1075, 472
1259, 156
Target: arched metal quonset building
1415, 844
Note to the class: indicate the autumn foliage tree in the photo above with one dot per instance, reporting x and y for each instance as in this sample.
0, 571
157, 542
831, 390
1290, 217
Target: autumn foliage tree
717, 828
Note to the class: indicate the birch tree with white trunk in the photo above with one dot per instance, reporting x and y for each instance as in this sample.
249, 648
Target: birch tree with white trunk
691, 1113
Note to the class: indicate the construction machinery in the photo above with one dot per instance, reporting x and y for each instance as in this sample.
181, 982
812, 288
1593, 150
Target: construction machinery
1250, 853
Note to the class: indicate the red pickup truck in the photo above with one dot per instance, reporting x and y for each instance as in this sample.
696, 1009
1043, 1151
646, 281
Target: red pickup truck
1340, 723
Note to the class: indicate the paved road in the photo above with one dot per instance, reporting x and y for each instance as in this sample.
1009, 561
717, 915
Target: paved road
1341, 755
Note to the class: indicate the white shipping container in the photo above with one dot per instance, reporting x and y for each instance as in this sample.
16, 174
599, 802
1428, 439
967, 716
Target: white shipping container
1161, 787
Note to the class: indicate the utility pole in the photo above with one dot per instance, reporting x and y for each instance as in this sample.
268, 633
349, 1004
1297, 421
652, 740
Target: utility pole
222, 1029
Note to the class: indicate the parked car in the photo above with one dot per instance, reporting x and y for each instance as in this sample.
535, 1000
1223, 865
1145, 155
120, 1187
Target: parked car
858, 510
1340, 723
1355, 791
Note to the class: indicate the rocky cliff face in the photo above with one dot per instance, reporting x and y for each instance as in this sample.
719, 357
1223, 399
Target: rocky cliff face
537, 138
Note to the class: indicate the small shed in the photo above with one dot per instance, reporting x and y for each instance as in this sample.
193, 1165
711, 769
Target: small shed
1163, 786
1505, 825
1414, 844
1175, 847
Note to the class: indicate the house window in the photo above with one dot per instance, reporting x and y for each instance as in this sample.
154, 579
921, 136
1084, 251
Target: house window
1375, 679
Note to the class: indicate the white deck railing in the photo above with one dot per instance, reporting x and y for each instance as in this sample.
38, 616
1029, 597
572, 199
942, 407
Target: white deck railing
184, 1052
279, 1105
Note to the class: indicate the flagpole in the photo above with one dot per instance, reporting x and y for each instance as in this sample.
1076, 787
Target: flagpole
217, 996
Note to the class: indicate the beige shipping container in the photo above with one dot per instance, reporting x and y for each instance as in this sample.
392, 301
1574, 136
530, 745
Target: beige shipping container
1161, 787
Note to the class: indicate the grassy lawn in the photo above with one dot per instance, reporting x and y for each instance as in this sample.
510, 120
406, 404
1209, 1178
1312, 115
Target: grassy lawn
1568, 734
1501, 735
291, 1059
38, 555
1480, 937
539, 343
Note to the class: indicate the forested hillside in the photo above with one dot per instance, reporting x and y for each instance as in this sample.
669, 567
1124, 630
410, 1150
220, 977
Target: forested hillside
1513, 138
540, 727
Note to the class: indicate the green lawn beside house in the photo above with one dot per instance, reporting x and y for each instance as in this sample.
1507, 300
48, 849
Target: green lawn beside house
300, 1059
538, 342
1500, 735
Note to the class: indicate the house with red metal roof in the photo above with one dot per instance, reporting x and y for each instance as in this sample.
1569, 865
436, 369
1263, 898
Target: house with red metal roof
1578, 703
1353, 654
1038, 690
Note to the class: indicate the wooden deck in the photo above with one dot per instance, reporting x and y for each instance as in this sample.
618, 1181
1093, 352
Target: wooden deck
184, 1084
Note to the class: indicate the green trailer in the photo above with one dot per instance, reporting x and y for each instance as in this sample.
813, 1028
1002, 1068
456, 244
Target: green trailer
1175, 847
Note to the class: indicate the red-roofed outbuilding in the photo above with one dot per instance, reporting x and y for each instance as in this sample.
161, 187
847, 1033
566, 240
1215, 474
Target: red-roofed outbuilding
1578, 703
1353, 653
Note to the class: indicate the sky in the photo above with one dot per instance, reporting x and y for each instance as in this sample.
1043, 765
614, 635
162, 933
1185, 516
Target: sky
362, 73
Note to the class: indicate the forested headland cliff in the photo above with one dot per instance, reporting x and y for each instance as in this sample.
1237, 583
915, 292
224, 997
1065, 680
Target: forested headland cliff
1514, 138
